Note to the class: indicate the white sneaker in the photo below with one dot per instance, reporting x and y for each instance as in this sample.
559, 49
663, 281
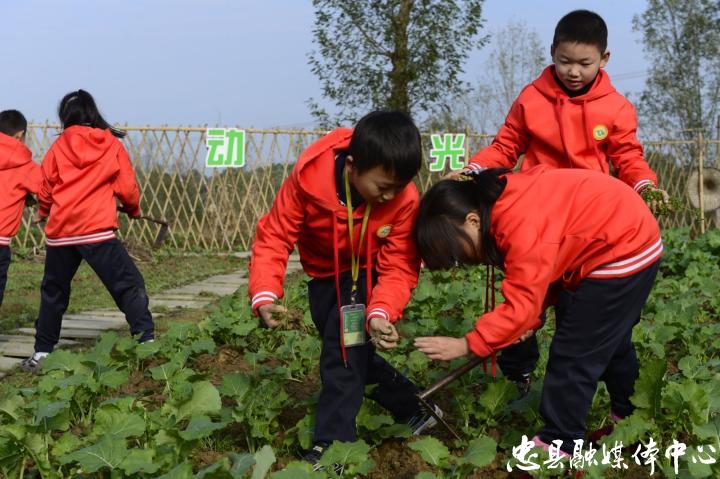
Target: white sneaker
33, 364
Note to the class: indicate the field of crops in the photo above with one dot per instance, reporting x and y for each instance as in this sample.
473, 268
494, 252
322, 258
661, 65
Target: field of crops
223, 398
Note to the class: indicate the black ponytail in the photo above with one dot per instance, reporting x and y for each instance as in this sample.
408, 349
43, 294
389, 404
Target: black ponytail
78, 108
443, 209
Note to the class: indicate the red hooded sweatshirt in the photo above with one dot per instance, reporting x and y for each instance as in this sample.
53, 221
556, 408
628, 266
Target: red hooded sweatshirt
83, 172
19, 175
556, 227
307, 211
588, 131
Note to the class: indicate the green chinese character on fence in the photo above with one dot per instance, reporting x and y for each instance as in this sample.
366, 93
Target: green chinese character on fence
215, 141
226, 147
447, 146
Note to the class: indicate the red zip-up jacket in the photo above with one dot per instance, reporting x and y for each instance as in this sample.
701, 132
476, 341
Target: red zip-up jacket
556, 227
307, 211
588, 131
83, 172
19, 175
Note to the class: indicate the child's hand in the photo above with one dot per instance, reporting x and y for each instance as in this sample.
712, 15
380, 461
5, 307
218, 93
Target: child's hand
657, 200
525, 336
266, 312
133, 213
383, 333
442, 348
453, 175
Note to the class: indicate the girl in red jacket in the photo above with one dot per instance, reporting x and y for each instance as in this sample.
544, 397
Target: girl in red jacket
84, 172
578, 239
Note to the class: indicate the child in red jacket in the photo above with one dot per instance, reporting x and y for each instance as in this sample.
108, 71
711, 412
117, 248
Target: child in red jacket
569, 117
349, 205
84, 172
19, 177
578, 239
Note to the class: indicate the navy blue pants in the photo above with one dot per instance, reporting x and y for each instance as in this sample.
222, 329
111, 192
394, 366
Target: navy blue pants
518, 360
116, 270
343, 388
5, 257
592, 343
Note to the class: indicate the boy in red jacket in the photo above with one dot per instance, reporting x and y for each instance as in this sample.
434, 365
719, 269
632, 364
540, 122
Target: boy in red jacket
84, 172
349, 205
578, 239
569, 117
19, 177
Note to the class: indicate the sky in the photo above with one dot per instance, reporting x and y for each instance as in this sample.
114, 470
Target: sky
220, 62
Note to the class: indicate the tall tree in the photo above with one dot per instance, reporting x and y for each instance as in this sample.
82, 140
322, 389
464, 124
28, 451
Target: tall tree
396, 54
682, 41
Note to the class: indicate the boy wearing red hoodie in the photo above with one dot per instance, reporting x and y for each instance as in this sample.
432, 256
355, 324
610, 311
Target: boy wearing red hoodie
84, 172
569, 117
349, 205
19, 177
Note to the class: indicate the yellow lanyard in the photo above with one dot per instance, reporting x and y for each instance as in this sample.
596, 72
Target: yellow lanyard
354, 261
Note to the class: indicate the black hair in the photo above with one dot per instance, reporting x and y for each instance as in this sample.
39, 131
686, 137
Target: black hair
443, 209
582, 26
78, 108
388, 139
11, 122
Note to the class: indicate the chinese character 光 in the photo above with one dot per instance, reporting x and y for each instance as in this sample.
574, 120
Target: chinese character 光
446, 147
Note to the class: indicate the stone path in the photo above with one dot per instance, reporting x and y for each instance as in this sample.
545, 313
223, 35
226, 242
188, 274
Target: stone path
91, 324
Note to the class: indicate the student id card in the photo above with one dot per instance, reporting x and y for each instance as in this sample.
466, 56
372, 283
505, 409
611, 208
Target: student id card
353, 317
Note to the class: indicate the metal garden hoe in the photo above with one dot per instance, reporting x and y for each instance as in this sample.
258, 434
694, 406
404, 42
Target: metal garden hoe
164, 227
162, 234
424, 395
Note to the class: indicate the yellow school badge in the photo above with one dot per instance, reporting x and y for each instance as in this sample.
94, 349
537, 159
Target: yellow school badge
383, 231
600, 132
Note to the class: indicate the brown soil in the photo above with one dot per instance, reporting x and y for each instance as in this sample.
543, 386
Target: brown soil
393, 459
205, 458
493, 471
145, 389
226, 360
298, 392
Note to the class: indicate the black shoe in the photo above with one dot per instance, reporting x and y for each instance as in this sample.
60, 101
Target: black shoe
423, 420
314, 455
523, 385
